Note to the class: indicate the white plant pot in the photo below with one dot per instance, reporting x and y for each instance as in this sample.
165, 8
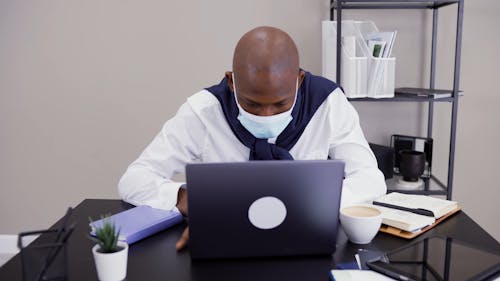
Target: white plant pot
111, 266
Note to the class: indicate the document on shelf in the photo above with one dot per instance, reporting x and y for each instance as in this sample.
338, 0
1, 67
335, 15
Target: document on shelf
386, 36
427, 93
376, 48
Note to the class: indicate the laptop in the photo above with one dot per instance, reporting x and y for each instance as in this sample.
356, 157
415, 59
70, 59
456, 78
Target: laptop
263, 208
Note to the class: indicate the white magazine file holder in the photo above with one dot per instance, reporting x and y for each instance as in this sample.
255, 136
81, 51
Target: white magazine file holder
362, 75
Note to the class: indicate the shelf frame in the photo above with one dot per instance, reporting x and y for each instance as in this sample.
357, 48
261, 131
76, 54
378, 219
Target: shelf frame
391, 4
456, 85
424, 192
336, 7
439, 187
404, 99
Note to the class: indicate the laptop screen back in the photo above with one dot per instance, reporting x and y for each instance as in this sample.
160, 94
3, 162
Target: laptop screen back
263, 208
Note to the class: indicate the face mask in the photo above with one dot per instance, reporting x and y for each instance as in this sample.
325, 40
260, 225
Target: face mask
265, 127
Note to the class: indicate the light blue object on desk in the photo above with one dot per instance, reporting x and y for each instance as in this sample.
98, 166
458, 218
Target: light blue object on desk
140, 222
357, 275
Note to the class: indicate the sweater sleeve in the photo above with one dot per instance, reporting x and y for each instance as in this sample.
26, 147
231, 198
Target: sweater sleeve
147, 181
363, 180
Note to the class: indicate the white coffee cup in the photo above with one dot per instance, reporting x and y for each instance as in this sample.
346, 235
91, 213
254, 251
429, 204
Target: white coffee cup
360, 222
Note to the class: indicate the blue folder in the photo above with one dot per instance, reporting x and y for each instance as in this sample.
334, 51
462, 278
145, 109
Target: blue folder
140, 222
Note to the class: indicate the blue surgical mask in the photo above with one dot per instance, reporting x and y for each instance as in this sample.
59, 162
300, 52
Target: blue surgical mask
265, 127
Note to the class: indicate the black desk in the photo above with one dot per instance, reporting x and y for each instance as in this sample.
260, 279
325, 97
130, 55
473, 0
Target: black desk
155, 258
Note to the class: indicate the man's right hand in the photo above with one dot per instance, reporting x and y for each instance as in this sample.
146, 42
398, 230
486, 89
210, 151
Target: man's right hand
182, 206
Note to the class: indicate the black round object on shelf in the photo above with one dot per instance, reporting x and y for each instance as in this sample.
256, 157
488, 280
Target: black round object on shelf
412, 164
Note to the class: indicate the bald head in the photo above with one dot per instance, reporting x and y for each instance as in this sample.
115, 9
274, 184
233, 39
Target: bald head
266, 68
265, 50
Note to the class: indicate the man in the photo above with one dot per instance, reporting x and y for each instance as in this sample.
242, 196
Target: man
266, 108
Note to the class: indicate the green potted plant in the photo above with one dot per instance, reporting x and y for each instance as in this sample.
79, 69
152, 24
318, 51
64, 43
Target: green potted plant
110, 254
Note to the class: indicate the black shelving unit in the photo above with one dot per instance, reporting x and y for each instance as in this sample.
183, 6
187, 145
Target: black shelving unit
432, 186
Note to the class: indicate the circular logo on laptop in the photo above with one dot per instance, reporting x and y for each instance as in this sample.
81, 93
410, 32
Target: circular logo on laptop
267, 212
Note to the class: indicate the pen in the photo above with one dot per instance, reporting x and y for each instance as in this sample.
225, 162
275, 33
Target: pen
395, 275
419, 211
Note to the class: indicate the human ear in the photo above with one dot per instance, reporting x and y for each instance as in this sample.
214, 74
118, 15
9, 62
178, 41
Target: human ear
302, 74
229, 78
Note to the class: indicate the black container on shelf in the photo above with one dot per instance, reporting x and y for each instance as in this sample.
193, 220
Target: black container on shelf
412, 164
402, 142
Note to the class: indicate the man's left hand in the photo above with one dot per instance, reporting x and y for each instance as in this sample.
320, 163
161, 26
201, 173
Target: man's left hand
182, 206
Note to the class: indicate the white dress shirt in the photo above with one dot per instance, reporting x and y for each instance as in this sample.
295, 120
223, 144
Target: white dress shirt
199, 132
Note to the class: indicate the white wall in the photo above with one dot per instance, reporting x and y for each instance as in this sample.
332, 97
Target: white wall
85, 85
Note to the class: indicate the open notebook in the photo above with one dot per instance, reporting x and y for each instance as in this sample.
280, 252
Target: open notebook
412, 213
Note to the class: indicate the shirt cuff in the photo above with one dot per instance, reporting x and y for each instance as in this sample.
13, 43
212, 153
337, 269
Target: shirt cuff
168, 195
